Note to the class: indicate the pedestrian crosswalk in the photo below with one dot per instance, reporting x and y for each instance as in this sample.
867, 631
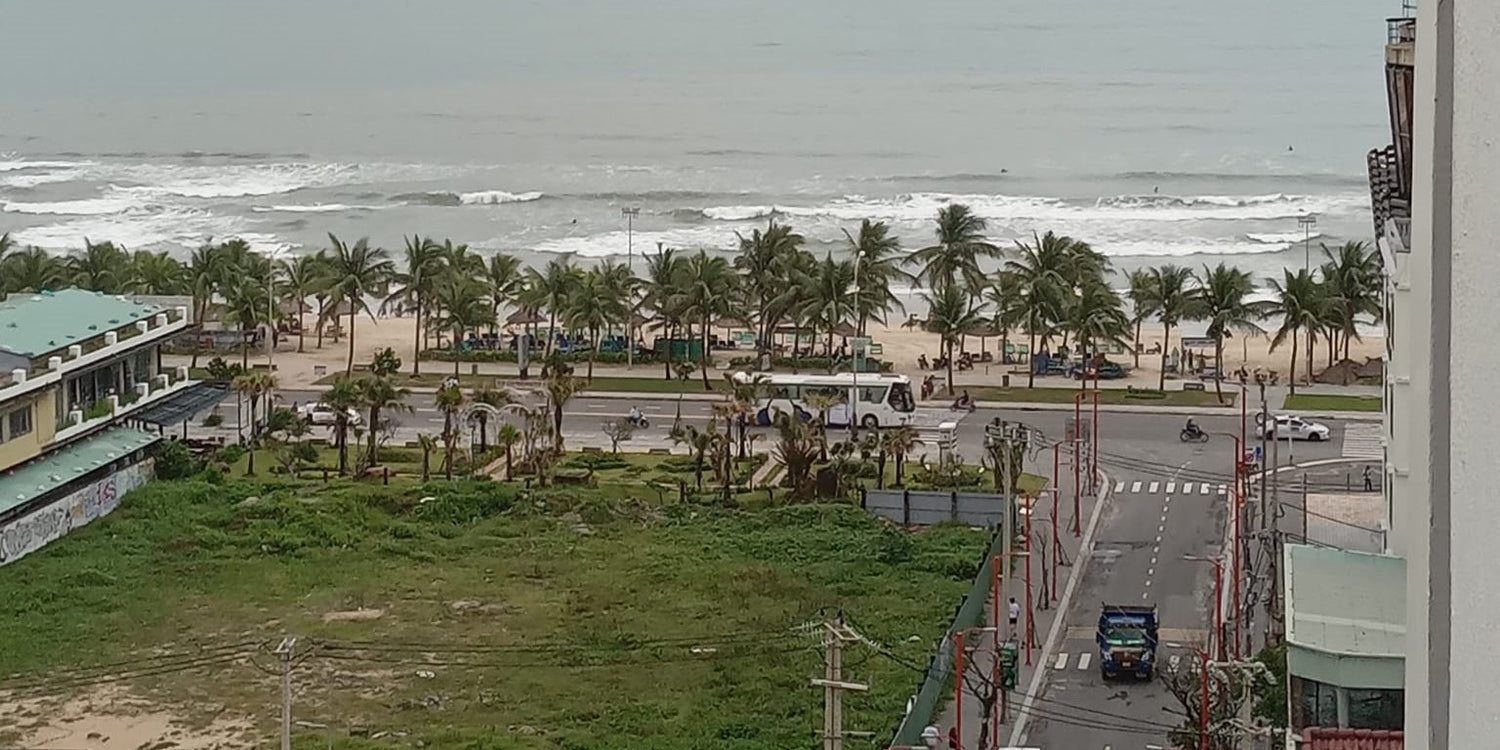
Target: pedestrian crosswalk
1082, 660
1146, 487
1364, 440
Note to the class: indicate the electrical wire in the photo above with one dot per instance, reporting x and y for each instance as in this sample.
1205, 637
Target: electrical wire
704, 656
727, 639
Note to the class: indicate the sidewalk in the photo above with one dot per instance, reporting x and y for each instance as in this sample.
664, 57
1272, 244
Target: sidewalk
1048, 615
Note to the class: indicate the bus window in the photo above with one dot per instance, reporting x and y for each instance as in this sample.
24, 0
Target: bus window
872, 395
900, 398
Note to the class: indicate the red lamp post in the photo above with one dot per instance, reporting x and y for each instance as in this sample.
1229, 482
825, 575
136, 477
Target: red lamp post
1218, 598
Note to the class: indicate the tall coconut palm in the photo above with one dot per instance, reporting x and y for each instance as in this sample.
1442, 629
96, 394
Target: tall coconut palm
1042, 277
459, 259
1355, 279
1173, 293
1298, 302
959, 248
102, 267
766, 262
33, 270
704, 291
597, 303
828, 298
551, 289
561, 386
660, 287
878, 255
462, 307
378, 395
1142, 305
6, 246
342, 398
951, 314
303, 276
246, 297
507, 437
1095, 315
899, 443
154, 273
504, 279
450, 401
356, 273
254, 385
1008, 307
1222, 299
422, 264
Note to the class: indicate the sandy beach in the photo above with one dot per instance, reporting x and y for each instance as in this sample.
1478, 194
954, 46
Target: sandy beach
901, 346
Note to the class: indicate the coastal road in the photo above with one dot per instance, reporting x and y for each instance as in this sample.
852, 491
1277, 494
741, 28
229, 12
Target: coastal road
1168, 501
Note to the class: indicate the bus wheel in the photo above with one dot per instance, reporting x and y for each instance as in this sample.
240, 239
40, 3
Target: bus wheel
763, 417
805, 416
870, 422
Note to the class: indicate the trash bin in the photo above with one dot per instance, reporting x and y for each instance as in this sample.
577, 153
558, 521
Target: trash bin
474, 369
1005, 380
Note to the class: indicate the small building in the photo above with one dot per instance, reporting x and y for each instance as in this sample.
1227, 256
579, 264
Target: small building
1345, 638
76, 367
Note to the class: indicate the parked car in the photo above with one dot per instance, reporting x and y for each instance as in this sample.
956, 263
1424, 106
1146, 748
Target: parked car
1297, 428
1107, 371
321, 415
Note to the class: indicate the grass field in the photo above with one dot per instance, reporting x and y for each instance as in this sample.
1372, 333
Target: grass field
1333, 402
506, 619
1118, 396
436, 377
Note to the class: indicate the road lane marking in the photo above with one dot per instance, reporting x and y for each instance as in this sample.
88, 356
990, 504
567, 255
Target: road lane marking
1148, 583
1223, 490
1143, 595
1062, 661
1158, 540
1205, 489
1173, 661
1119, 487
1153, 559
1135, 487
1160, 529
1083, 660
1171, 487
1187, 488
1151, 571
1154, 485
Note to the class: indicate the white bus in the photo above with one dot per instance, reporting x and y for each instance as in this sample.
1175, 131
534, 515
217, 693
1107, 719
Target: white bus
882, 400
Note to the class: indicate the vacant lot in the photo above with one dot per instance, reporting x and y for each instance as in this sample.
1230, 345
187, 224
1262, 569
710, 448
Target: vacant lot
476, 615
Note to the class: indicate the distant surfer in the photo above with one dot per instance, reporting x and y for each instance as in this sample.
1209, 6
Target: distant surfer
1156, 188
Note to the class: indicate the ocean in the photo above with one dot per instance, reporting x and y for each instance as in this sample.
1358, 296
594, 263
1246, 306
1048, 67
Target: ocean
1158, 130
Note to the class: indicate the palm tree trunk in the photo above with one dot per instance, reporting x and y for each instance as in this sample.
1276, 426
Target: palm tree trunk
374, 421
1219, 367
593, 349
703, 361
350, 369
880, 473
508, 467
416, 344
948, 359
1311, 339
1292, 375
1031, 349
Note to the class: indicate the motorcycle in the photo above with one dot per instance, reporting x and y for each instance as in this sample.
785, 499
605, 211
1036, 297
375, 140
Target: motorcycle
1193, 436
640, 423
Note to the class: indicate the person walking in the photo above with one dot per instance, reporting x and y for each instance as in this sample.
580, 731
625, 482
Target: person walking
1369, 479
1015, 615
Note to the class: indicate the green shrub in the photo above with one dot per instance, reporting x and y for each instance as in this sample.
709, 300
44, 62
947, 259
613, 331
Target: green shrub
485, 355
596, 462
175, 461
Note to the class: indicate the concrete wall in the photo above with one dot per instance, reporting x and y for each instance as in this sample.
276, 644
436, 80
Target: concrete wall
922, 508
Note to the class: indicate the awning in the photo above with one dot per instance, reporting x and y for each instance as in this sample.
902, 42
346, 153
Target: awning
22, 484
184, 405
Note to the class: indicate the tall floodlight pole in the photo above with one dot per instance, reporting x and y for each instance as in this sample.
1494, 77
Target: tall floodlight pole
859, 343
630, 214
1307, 222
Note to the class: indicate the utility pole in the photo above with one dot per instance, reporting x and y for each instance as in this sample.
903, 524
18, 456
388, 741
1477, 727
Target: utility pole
833, 683
630, 214
285, 652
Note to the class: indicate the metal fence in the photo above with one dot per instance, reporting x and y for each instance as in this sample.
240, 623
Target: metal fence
929, 508
935, 683
1327, 531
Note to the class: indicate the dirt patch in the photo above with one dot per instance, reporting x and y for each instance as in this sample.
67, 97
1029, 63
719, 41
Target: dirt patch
354, 615
112, 719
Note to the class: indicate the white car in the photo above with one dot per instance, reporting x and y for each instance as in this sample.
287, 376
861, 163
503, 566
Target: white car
320, 414
1297, 428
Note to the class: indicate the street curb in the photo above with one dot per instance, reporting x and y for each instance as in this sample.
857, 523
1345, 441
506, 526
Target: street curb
633, 396
1085, 551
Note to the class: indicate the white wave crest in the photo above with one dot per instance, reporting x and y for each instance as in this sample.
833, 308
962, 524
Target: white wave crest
316, 208
1179, 249
1281, 238
10, 164
496, 197
227, 181
85, 207
136, 229
738, 213
618, 243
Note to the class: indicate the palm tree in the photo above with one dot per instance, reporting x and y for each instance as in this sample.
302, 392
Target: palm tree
463, 307
551, 289
595, 304
356, 272
879, 258
662, 272
1095, 316
254, 385
699, 443
1042, 277
951, 314
1298, 302
899, 443
1221, 299
377, 394
828, 297
1173, 293
101, 268
423, 264
341, 398
6, 244
960, 246
507, 437
504, 278
458, 259
561, 386
154, 273
1008, 308
245, 302
766, 263
1142, 305
32, 270
303, 277
449, 401
1355, 279
703, 295
428, 444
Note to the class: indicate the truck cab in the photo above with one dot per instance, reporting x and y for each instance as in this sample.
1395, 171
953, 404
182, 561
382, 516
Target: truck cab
1127, 640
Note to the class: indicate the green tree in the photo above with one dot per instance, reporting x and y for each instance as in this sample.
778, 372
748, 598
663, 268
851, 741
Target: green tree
303, 276
1222, 299
561, 386
663, 271
1042, 277
879, 258
155, 273
246, 297
899, 443
1298, 302
704, 291
951, 314
449, 401
551, 289
828, 298
356, 272
768, 263
699, 443
1173, 292
1355, 278
378, 395
33, 270
507, 437
464, 307
505, 280
1095, 316
342, 398
959, 248
422, 266
102, 267
1142, 306
254, 386
427, 444
596, 304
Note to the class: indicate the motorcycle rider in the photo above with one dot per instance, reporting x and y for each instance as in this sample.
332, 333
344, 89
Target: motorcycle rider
635, 415
1191, 428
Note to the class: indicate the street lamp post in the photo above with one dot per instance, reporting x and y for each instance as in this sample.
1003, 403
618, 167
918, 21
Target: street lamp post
630, 214
859, 342
1056, 492
1218, 598
1307, 222
1077, 478
1235, 502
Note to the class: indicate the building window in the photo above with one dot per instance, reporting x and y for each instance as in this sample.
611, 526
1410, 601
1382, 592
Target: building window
1376, 709
17, 424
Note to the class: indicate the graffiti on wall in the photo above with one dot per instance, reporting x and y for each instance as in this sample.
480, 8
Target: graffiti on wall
54, 520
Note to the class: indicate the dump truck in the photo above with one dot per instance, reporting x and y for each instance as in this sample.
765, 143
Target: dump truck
1127, 640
